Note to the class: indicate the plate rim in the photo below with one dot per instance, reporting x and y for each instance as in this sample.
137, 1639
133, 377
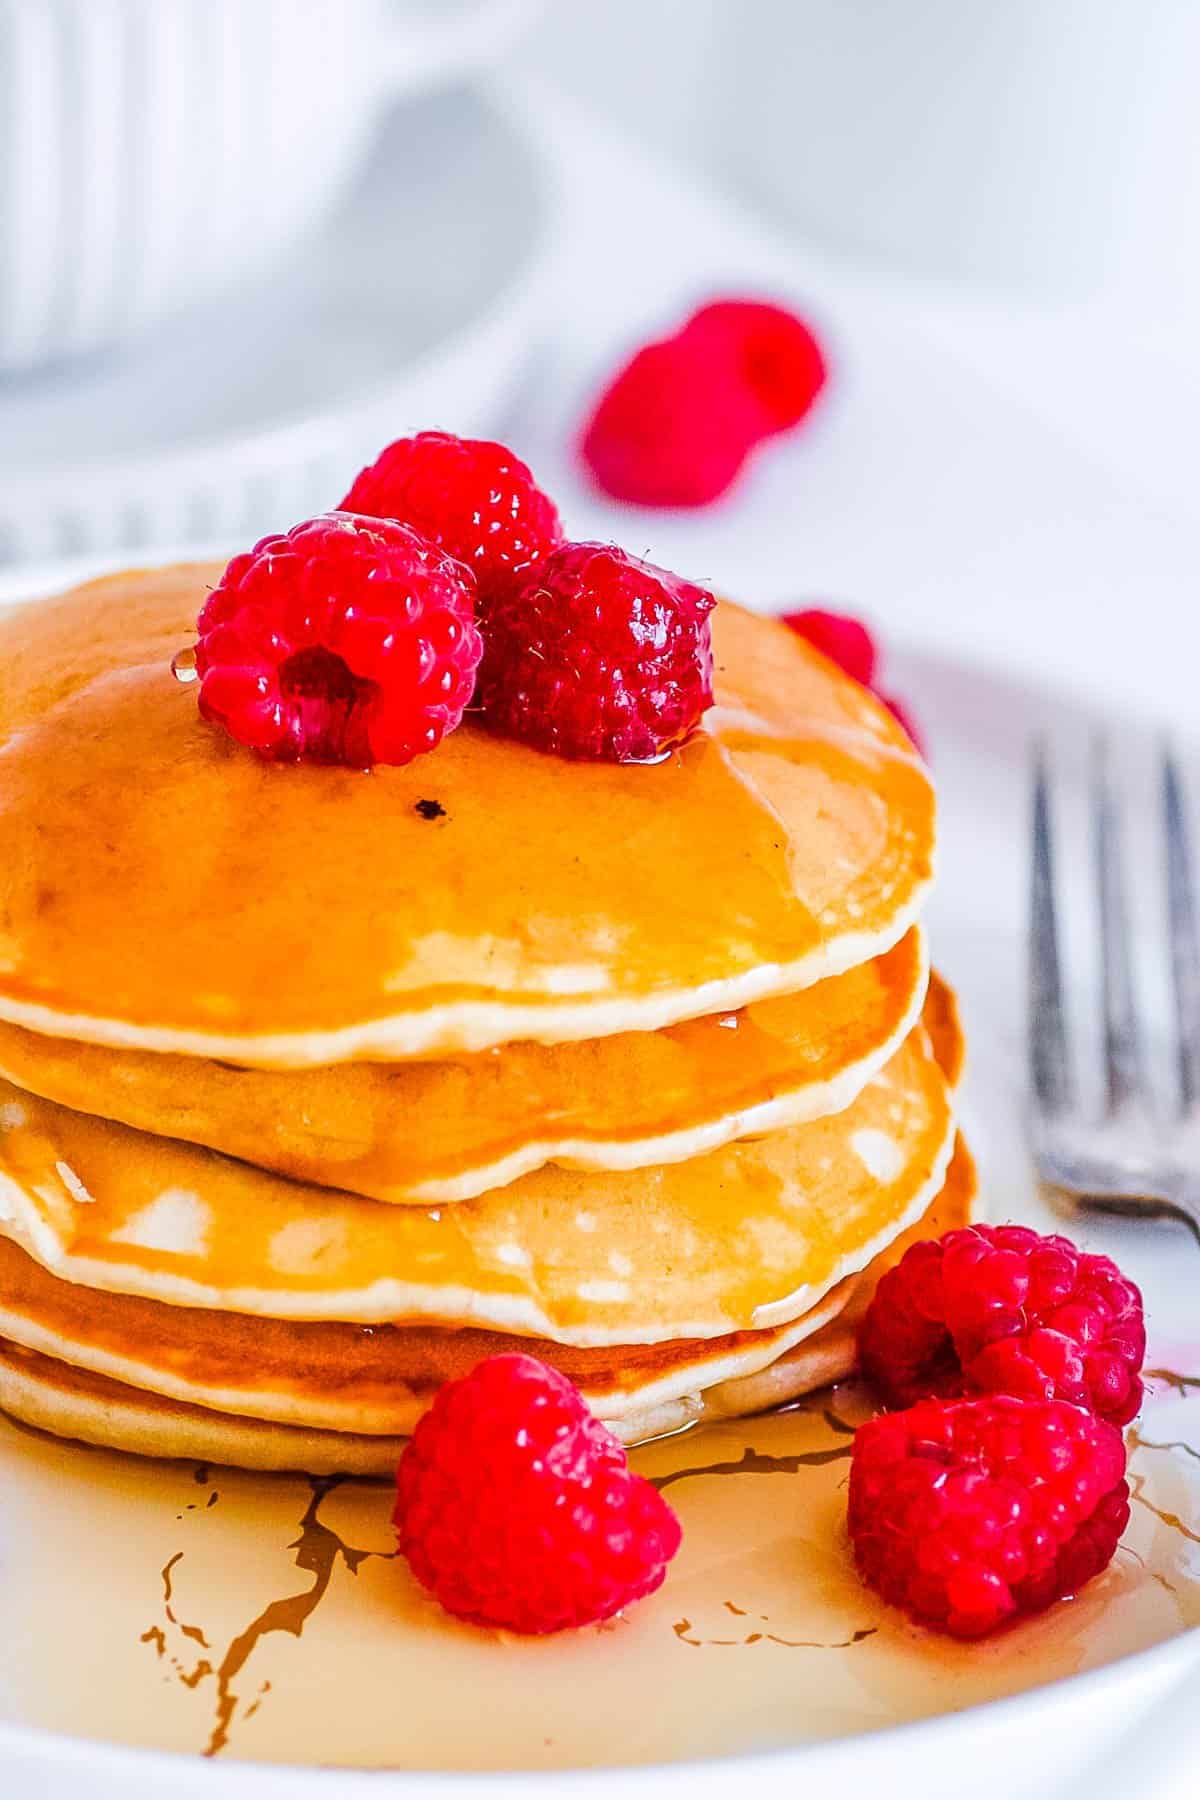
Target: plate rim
184, 1771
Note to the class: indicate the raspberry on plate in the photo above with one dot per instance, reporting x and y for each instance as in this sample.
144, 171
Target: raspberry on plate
598, 656
973, 1512
344, 640
1003, 1309
843, 639
516, 1507
473, 497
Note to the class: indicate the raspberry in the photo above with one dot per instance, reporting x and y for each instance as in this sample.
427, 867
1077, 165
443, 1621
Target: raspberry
844, 640
970, 1513
474, 498
673, 428
677, 422
1003, 1309
599, 657
345, 640
777, 360
515, 1507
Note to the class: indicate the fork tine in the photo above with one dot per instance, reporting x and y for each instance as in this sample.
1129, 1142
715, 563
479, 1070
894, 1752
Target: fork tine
1182, 932
1049, 1058
1123, 1061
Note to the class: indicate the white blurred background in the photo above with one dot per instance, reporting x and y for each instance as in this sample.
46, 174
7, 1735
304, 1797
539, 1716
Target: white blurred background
243, 243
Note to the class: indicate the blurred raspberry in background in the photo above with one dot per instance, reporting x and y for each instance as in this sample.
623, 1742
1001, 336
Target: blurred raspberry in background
678, 421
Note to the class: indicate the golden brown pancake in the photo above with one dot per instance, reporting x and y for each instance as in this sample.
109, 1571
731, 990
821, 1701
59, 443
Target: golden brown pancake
940, 1017
375, 1368
74, 1400
161, 888
831, 1353
637, 1047
435, 1132
750, 1235
374, 1379
378, 1379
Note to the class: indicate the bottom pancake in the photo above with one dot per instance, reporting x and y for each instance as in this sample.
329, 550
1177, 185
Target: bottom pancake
73, 1401
374, 1380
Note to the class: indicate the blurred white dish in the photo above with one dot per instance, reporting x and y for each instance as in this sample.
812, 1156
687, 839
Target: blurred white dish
160, 153
415, 304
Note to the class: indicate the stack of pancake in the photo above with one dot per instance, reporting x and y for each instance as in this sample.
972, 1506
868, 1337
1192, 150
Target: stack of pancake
317, 1086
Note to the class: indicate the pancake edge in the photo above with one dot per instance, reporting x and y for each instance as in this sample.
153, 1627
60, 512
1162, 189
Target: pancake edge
795, 1106
279, 1407
468, 1026
391, 1301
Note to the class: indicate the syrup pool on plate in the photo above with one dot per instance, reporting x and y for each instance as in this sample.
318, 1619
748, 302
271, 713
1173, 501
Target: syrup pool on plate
223, 1600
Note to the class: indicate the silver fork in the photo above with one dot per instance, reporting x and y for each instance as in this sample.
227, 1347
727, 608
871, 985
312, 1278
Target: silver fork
1141, 1155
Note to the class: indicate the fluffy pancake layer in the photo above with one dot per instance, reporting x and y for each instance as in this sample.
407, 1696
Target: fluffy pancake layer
377, 1379
161, 889
436, 1132
277, 1408
748, 1236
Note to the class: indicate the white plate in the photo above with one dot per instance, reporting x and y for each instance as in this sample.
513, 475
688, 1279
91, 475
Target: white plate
126, 1587
419, 301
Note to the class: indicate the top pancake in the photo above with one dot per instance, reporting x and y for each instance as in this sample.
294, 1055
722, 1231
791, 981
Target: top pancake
162, 888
